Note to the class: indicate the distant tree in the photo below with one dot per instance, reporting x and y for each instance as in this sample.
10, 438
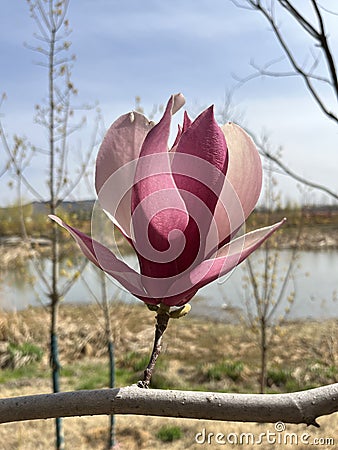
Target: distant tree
269, 293
57, 116
104, 301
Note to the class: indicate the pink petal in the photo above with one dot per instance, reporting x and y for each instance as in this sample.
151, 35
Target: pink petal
186, 121
228, 257
178, 102
203, 140
103, 258
121, 145
178, 137
186, 124
244, 181
199, 166
159, 215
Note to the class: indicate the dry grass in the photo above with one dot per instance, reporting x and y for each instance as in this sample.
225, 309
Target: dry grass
191, 346
15, 257
139, 432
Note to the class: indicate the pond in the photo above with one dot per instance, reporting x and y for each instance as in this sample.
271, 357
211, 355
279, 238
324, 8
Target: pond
314, 284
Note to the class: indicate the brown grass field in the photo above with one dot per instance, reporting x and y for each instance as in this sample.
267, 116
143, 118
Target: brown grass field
302, 355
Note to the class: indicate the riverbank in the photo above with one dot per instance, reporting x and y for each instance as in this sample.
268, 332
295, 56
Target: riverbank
197, 354
311, 239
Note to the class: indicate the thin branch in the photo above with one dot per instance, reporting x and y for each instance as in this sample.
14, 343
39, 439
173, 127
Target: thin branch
299, 178
329, 11
16, 166
83, 168
254, 284
298, 407
36, 49
4, 169
264, 72
296, 67
162, 319
308, 27
320, 40
70, 283
288, 273
327, 51
43, 15
286, 170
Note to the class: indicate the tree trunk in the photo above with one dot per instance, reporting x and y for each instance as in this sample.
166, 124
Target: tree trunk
110, 348
263, 356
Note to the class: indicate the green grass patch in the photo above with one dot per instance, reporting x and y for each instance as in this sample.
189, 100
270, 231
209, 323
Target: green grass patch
33, 351
94, 380
279, 377
32, 371
130, 370
218, 371
324, 373
82, 376
161, 381
86, 375
169, 433
134, 361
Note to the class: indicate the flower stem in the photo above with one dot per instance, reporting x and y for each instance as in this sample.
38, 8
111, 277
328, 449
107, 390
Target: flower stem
162, 319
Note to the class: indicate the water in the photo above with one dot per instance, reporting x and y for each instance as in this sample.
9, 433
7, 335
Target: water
314, 283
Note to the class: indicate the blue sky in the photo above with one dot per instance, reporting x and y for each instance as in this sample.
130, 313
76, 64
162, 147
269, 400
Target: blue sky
155, 48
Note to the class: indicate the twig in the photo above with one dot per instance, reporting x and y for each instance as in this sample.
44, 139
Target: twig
162, 319
286, 169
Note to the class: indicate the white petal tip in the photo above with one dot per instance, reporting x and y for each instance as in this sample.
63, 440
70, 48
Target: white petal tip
179, 101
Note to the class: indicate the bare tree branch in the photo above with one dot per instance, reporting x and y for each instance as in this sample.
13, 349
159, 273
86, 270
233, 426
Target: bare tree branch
17, 168
319, 37
299, 178
264, 71
329, 11
327, 51
71, 281
286, 169
298, 407
228, 113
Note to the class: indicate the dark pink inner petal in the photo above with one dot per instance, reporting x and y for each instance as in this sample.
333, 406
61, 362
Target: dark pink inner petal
178, 137
186, 121
181, 129
159, 215
177, 192
199, 165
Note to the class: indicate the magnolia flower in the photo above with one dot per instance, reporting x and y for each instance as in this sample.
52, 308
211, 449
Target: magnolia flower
179, 208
